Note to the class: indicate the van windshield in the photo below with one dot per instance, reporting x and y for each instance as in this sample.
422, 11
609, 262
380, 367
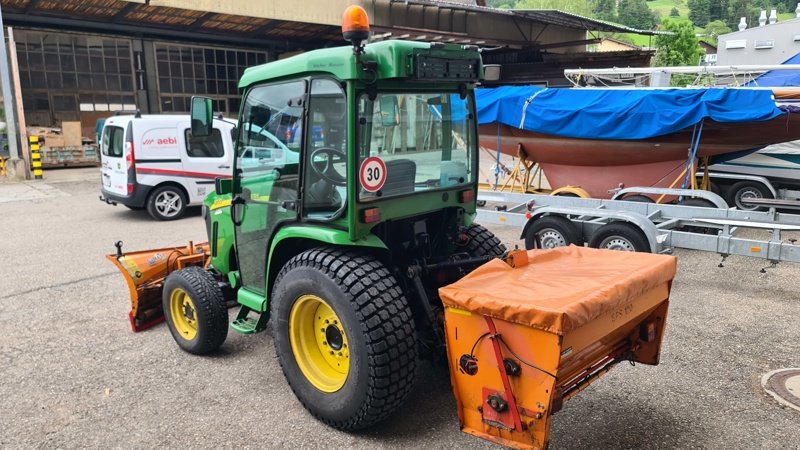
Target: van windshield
414, 142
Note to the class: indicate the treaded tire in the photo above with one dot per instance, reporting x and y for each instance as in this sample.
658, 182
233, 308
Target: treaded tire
210, 309
152, 199
749, 189
697, 202
559, 229
638, 198
483, 242
378, 325
627, 237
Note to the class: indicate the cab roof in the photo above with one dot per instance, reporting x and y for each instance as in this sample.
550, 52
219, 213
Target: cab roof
392, 57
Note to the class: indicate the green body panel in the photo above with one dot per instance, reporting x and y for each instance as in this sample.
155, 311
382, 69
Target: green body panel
222, 247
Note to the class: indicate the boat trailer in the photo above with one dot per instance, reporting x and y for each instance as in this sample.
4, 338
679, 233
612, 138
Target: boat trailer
551, 221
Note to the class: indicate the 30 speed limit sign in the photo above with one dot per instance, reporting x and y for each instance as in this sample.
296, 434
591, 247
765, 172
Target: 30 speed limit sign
372, 174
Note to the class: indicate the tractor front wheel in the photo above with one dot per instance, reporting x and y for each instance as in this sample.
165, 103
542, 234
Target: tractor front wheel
344, 336
483, 242
195, 310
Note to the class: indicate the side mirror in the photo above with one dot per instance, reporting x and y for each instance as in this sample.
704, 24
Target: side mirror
223, 186
202, 117
235, 133
390, 111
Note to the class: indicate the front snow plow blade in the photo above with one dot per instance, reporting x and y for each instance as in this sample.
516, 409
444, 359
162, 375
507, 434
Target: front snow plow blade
525, 335
145, 272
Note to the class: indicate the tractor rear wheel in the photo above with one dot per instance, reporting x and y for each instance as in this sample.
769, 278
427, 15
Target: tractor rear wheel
344, 336
195, 310
483, 242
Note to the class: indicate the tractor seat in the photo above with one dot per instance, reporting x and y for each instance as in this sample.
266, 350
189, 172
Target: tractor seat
400, 177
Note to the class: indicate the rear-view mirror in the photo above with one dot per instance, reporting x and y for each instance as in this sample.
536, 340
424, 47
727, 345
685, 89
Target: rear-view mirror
202, 116
223, 186
390, 112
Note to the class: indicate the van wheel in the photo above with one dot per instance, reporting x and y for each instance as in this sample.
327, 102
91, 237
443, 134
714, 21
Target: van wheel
166, 203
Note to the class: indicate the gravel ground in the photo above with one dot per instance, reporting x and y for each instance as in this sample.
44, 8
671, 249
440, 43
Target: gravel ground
75, 376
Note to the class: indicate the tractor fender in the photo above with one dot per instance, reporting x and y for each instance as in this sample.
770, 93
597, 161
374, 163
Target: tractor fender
641, 222
291, 240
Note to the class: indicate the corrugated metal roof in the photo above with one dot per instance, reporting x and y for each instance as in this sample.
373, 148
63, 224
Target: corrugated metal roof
572, 20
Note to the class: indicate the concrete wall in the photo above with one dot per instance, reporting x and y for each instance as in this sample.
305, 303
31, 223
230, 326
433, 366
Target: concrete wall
785, 45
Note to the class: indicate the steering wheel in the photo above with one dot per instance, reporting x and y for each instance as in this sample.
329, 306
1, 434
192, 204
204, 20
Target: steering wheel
329, 173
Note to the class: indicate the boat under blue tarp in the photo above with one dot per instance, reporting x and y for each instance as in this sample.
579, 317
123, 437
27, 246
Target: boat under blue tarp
779, 78
627, 114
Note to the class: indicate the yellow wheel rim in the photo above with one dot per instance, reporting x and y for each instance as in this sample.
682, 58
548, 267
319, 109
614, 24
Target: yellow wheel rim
319, 343
183, 314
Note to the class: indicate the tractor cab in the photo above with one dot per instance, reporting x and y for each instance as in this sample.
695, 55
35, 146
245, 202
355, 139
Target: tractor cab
371, 146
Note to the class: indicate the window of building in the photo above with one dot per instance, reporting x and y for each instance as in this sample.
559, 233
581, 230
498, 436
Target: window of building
206, 146
184, 71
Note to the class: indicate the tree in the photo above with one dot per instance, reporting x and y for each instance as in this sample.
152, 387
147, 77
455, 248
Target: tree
674, 12
716, 28
680, 48
636, 14
605, 9
741, 8
699, 11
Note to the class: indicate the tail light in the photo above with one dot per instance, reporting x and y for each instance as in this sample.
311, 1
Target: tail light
466, 196
370, 215
130, 188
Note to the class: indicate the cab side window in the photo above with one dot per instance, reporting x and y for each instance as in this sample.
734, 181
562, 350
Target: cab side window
206, 146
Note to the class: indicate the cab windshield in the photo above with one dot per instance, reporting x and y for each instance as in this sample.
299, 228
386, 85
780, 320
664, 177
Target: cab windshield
414, 142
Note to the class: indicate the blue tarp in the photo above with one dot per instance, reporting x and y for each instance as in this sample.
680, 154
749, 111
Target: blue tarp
779, 78
619, 113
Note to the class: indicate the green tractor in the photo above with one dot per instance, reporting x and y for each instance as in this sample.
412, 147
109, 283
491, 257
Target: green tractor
351, 204
352, 201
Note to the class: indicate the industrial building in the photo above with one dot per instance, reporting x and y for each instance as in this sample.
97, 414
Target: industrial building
81, 60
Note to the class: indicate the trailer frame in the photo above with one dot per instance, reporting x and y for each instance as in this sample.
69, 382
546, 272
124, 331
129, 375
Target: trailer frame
664, 226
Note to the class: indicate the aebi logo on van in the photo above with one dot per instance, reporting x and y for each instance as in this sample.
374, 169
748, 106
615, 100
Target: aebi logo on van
161, 141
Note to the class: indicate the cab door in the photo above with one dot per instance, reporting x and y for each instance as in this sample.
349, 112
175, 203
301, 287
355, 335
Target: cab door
266, 175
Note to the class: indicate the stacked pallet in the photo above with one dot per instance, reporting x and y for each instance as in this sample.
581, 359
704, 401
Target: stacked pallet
64, 147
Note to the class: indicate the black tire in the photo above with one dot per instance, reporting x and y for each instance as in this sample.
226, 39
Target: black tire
620, 236
638, 198
483, 242
210, 313
697, 202
166, 203
377, 324
747, 189
552, 232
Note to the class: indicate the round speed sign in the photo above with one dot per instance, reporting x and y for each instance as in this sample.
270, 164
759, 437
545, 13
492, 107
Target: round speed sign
372, 174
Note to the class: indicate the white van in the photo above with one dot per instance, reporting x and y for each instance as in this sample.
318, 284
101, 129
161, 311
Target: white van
153, 162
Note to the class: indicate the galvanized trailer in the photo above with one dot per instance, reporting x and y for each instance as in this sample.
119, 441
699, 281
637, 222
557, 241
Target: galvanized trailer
551, 221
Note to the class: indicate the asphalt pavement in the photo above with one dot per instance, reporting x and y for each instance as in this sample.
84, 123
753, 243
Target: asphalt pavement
75, 376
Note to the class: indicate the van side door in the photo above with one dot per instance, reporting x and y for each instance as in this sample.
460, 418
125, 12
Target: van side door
204, 159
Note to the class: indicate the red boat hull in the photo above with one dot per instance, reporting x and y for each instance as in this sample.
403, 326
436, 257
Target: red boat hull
599, 165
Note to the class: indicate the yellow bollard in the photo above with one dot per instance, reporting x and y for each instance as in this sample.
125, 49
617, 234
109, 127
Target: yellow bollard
36, 158
3, 171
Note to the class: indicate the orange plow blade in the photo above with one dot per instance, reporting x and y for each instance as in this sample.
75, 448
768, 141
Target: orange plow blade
145, 271
525, 335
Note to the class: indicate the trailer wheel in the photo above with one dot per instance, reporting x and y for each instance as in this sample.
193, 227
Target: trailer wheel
551, 232
195, 310
483, 242
344, 335
620, 236
697, 202
746, 190
166, 203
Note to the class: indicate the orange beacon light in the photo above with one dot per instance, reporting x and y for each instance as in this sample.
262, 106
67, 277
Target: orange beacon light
355, 25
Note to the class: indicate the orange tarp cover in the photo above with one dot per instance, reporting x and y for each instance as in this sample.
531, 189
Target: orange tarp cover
561, 289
